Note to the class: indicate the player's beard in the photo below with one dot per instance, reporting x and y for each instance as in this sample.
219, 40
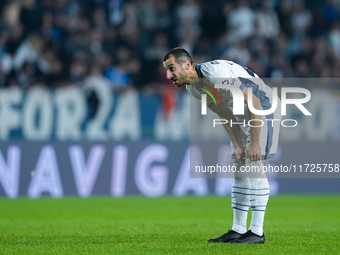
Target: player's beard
181, 79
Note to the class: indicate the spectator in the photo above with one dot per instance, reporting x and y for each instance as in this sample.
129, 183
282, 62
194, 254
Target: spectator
147, 15
78, 72
118, 74
164, 17
30, 16
99, 21
28, 51
268, 23
6, 61
301, 18
15, 39
111, 40
57, 76
56, 40
334, 37
241, 22
27, 75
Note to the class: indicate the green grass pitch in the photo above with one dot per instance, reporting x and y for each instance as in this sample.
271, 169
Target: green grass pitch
137, 225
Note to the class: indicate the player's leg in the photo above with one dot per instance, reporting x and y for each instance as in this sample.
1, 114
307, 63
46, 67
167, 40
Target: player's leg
259, 189
259, 186
240, 193
240, 199
240, 204
259, 195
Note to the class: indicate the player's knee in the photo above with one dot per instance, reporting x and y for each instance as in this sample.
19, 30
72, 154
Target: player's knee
255, 168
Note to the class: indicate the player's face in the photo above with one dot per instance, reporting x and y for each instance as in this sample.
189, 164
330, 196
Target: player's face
176, 72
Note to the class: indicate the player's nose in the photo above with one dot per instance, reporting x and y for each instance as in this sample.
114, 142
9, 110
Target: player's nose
168, 74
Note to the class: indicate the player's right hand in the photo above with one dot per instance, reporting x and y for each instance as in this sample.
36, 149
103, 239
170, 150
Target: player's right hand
240, 154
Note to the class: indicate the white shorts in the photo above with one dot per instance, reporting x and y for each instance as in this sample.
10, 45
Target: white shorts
269, 134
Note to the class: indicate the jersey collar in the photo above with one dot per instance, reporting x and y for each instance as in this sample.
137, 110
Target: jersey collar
198, 70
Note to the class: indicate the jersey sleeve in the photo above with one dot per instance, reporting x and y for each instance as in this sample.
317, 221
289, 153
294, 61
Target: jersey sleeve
193, 92
227, 72
223, 72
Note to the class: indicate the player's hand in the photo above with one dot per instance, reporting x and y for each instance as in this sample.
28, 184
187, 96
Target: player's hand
240, 154
253, 151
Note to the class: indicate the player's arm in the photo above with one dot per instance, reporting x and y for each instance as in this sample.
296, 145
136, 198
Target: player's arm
254, 149
233, 132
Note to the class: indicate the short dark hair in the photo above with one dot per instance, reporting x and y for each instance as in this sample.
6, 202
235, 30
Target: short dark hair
180, 54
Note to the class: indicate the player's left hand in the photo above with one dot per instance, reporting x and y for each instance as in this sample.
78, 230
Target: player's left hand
253, 151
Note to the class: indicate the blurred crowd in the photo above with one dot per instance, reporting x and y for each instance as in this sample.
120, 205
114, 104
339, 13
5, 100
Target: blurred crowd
57, 43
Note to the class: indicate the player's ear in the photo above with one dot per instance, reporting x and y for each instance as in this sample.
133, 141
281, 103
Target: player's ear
187, 65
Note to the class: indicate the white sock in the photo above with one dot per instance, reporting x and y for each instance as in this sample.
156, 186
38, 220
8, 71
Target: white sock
259, 195
240, 200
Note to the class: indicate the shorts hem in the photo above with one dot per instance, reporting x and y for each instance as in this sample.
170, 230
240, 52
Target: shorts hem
262, 157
